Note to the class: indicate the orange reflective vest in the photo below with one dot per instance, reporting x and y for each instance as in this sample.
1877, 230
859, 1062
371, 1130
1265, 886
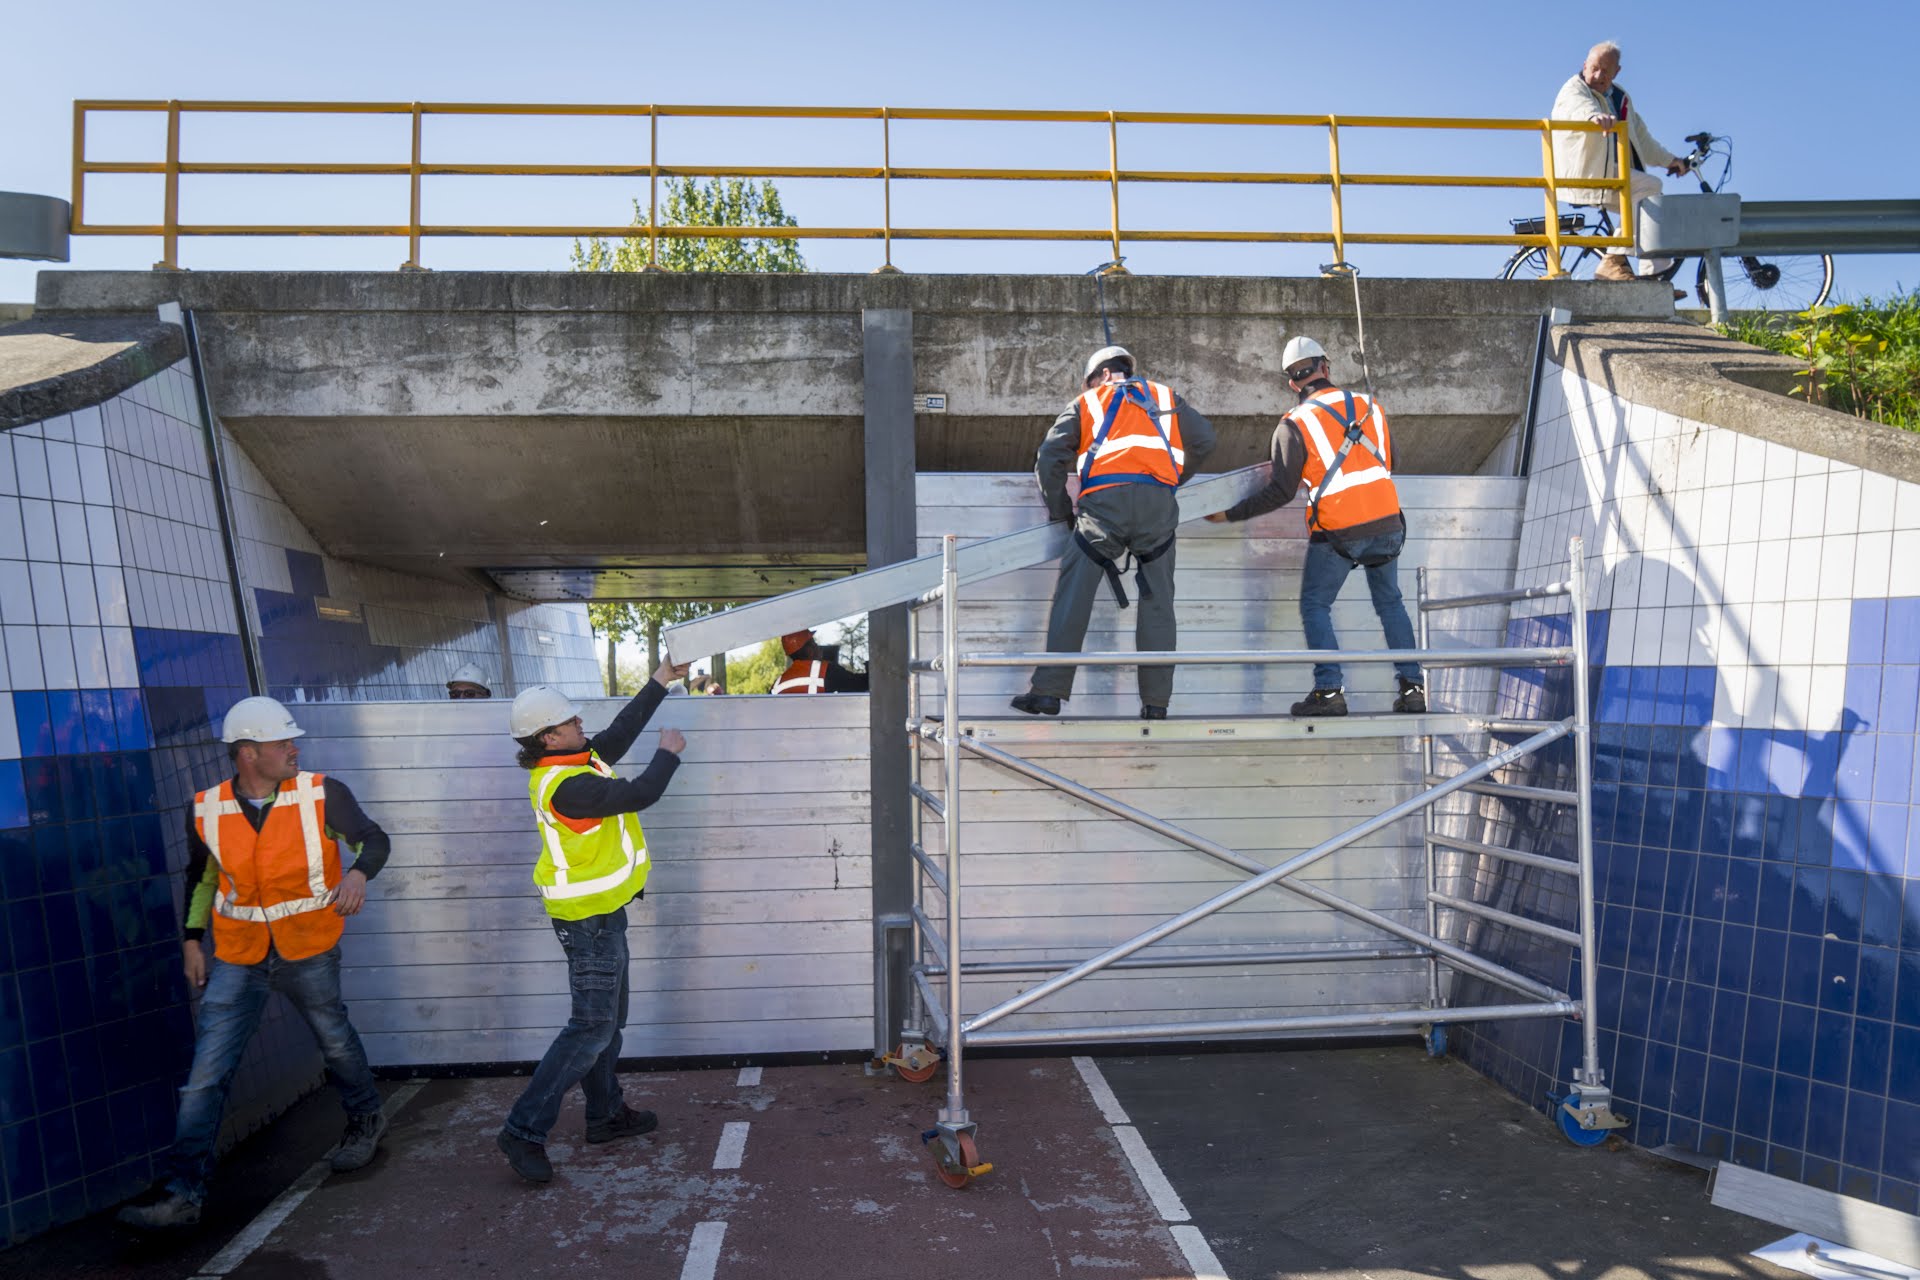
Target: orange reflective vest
1361, 488
275, 884
802, 677
1129, 434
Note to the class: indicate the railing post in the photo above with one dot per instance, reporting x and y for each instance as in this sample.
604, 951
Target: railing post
1554, 270
1113, 180
1429, 817
170, 236
1626, 183
955, 1112
1333, 163
886, 191
79, 169
413, 200
653, 187
1589, 1073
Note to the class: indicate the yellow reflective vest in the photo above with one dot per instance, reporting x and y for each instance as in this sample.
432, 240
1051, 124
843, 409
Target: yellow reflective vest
588, 866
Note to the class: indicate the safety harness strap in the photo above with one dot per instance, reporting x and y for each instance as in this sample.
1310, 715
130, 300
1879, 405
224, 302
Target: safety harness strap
1140, 561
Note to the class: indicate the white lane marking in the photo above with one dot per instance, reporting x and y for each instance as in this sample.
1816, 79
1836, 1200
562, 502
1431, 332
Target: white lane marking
749, 1076
268, 1220
733, 1145
1164, 1197
1199, 1256
703, 1252
1110, 1109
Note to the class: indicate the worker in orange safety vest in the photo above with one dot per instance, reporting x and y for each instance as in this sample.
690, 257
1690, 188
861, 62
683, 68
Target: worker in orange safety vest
815, 668
1132, 443
1338, 449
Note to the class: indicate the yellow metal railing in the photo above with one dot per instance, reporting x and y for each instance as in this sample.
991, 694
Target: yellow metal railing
416, 167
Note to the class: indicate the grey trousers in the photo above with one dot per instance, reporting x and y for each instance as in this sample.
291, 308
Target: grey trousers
1127, 517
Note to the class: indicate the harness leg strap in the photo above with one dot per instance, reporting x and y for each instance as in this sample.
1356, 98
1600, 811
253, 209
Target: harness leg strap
1144, 558
1107, 567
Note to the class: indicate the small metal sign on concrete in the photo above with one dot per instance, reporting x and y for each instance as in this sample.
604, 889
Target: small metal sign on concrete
930, 402
34, 227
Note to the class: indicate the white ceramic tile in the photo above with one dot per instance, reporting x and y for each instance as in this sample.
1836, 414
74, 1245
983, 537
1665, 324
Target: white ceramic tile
1689, 517
30, 465
70, 518
1803, 568
1872, 564
1683, 580
1837, 556
1905, 577
1736, 633
1653, 583
56, 658
1770, 571
63, 471
23, 657
1649, 625
1809, 506
1763, 694
1776, 507
1763, 633
1782, 463
1703, 635
1711, 573
49, 593
1730, 694
1833, 620
1810, 464
1691, 472
1746, 513
1906, 505
90, 659
123, 665
83, 608
1843, 501
1658, 537
1722, 447
1793, 706
1676, 636
1797, 622
110, 594
1827, 697
1876, 501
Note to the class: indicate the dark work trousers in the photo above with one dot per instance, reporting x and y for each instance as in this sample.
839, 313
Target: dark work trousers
588, 1047
1116, 520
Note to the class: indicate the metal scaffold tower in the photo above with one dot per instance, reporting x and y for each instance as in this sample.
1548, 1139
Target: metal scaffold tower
940, 1028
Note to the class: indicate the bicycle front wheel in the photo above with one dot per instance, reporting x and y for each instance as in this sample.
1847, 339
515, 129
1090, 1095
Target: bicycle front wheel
1770, 284
1531, 264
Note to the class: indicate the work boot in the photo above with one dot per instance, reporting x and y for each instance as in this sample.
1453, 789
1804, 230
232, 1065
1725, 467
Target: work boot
1150, 712
172, 1210
1614, 266
529, 1159
628, 1123
1037, 704
359, 1142
1322, 702
1413, 696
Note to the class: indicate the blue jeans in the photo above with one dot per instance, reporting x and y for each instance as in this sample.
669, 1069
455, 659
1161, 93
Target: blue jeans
230, 1009
588, 1047
1326, 572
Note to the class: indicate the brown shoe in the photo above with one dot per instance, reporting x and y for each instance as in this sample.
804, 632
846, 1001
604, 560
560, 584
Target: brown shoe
1614, 266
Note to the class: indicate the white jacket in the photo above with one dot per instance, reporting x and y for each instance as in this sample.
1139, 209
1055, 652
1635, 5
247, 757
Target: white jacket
1580, 154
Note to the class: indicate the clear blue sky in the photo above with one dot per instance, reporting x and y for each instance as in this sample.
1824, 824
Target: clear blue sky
1819, 99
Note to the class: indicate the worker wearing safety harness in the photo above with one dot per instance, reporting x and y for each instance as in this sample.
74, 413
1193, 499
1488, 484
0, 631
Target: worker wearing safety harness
593, 861
1338, 442
815, 668
1132, 443
264, 868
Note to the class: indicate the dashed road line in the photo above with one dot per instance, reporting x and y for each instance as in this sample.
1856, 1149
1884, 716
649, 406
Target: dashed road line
703, 1251
268, 1220
733, 1145
1199, 1256
1110, 1109
749, 1076
1164, 1197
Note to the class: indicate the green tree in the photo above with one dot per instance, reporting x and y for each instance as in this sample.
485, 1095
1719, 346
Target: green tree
718, 202
641, 619
756, 672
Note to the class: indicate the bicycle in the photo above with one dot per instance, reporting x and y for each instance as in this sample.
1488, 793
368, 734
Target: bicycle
1793, 283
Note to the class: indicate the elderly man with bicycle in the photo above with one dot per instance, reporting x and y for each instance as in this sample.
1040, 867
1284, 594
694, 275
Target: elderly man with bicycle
1593, 95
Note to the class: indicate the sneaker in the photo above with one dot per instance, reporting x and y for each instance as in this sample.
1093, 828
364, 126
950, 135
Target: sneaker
1413, 696
1150, 712
1614, 266
359, 1142
1037, 704
627, 1124
1322, 702
174, 1210
529, 1159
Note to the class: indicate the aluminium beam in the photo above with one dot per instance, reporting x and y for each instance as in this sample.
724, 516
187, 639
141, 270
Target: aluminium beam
1110, 729
1294, 1024
908, 581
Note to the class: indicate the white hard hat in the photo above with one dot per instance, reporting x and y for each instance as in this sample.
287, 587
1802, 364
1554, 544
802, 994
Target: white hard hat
259, 720
468, 673
540, 707
1299, 349
1103, 355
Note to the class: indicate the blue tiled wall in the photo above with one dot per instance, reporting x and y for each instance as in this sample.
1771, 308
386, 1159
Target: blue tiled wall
1757, 864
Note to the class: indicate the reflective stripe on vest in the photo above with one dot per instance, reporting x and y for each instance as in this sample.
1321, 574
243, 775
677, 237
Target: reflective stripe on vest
803, 677
1352, 495
307, 795
554, 831
1135, 447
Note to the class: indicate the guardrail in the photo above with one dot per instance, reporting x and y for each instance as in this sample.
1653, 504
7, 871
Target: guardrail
418, 166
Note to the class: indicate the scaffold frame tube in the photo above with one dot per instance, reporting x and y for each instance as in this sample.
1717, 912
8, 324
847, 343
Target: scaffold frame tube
1294, 1024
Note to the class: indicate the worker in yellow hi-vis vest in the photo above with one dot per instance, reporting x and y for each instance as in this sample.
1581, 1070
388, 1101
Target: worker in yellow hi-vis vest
593, 861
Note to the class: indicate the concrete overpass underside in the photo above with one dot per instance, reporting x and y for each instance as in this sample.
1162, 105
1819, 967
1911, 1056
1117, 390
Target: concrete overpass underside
660, 436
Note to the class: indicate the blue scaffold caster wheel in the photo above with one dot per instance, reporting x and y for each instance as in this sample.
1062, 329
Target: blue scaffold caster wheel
1573, 1130
1437, 1040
